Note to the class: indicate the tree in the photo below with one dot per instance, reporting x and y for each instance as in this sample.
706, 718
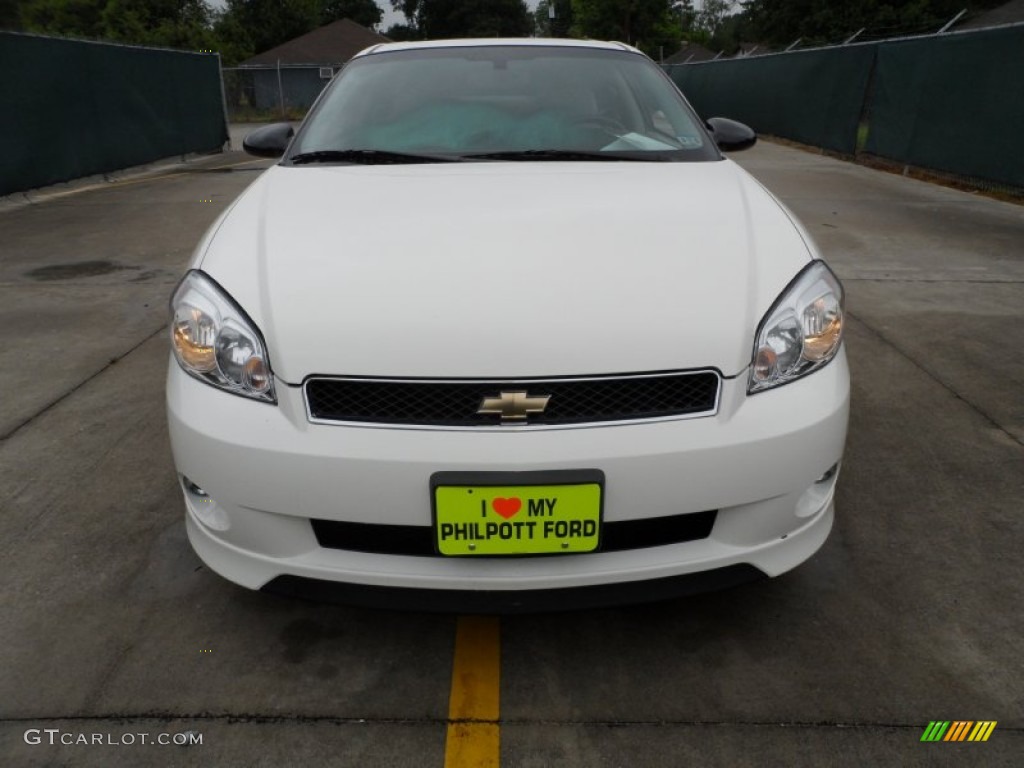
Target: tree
409, 8
684, 11
546, 26
183, 24
434, 19
731, 33
711, 15
234, 43
648, 24
238, 31
401, 33
365, 12
264, 24
170, 23
72, 18
780, 22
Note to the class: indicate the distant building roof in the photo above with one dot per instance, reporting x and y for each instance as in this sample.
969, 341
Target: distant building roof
690, 52
333, 43
1010, 13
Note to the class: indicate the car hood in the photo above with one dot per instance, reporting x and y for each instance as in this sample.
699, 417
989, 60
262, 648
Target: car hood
505, 269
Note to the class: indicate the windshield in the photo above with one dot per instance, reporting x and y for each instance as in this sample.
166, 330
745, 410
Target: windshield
538, 102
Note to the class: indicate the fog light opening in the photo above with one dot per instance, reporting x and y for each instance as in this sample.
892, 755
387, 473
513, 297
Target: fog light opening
818, 494
829, 474
206, 510
194, 489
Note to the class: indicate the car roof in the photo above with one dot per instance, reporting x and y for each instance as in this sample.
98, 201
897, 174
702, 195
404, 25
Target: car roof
489, 42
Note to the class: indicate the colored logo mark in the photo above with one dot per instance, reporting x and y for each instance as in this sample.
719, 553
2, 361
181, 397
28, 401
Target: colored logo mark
958, 730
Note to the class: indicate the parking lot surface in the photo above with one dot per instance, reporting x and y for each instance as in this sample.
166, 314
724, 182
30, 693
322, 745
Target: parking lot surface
910, 613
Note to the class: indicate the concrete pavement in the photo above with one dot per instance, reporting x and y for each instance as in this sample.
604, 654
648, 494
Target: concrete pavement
910, 613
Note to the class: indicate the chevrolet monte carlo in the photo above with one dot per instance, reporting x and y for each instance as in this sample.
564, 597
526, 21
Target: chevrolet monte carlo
503, 329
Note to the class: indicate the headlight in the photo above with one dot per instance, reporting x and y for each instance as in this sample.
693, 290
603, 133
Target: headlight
801, 332
215, 341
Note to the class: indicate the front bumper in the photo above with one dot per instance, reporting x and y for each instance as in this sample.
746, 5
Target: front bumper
268, 471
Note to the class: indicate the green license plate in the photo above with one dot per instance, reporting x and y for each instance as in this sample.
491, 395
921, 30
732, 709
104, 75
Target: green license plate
528, 513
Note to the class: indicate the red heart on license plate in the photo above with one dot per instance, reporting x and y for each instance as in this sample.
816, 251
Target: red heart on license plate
507, 507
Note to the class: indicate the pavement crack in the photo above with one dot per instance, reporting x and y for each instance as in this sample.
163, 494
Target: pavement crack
934, 377
58, 400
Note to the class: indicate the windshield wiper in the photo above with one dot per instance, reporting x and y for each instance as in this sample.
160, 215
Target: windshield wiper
368, 157
562, 154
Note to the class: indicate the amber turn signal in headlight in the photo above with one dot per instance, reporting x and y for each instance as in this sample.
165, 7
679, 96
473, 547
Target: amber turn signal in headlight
214, 341
801, 332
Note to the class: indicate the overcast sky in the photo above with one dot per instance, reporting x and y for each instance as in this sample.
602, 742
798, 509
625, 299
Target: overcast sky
390, 16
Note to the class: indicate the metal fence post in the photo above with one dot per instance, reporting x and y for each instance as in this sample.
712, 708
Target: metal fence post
951, 22
280, 87
224, 100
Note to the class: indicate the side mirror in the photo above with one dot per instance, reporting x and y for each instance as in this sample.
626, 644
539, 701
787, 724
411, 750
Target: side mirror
731, 136
269, 141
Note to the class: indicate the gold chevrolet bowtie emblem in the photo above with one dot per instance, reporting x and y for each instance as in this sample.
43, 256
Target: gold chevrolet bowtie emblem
513, 406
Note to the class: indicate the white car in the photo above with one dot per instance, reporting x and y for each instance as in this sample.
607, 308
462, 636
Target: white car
504, 330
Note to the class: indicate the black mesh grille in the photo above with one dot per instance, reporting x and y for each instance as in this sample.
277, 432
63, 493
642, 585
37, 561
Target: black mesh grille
455, 403
418, 539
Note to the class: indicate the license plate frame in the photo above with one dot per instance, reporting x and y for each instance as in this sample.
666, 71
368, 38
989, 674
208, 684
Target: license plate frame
581, 515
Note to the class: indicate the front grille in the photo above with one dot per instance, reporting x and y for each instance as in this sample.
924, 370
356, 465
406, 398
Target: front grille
454, 403
419, 539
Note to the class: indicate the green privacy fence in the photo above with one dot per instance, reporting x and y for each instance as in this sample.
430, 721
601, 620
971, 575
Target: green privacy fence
951, 103
954, 103
814, 97
73, 108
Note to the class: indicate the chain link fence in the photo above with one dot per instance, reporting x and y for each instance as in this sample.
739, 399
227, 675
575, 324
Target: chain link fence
285, 92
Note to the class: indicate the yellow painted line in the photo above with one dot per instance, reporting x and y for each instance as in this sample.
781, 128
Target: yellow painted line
473, 737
